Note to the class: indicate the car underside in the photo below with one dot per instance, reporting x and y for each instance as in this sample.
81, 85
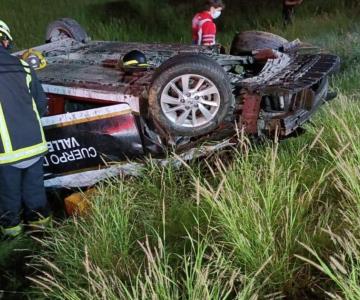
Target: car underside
104, 119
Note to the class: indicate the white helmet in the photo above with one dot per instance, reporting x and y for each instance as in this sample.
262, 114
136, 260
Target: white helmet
5, 30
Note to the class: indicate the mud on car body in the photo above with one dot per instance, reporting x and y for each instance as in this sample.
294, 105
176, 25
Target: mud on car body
100, 113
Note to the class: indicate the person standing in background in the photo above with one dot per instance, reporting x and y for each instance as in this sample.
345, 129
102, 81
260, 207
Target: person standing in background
289, 10
203, 26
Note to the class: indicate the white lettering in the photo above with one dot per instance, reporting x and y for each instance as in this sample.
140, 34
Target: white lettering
68, 143
77, 154
68, 156
85, 152
74, 143
93, 151
46, 162
54, 159
50, 147
63, 158
71, 156
56, 143
62, 144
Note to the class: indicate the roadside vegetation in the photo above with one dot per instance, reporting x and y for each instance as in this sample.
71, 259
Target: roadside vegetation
272, 221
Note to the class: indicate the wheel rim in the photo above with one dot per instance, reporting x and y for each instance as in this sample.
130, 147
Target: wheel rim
190, 100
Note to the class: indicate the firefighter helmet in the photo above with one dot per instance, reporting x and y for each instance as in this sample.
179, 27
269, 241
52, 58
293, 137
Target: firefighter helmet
35, 59
135, 58
5, 31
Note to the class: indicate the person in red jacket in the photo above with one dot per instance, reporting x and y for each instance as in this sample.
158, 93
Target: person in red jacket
203, 26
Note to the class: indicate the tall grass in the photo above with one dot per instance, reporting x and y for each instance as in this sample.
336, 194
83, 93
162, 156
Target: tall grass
262, 211
343, 265
124, 257
240, 237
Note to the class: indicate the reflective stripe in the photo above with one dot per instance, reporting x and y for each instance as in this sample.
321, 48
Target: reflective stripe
202, 22
43, 222
39, 120
199, 36
208, 39
12, 231
7, 33
130, 62
10, 156
25, 64
208, 43
200, 31
4, 133
22, 154
28, 82
28, 73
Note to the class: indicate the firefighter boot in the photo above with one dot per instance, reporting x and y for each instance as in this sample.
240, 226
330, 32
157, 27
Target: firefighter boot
40, 224
12, 232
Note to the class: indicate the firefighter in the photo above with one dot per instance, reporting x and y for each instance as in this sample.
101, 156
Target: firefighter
22, 143
289, 10
203, 26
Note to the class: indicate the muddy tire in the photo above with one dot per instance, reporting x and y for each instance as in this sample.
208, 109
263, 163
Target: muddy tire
66, 28
190, 95
248, 41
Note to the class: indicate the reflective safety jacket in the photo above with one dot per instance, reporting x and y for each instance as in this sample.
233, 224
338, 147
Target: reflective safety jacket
22, 102
203, 29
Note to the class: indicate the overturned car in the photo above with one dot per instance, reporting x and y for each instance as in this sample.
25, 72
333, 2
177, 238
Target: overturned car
104, 119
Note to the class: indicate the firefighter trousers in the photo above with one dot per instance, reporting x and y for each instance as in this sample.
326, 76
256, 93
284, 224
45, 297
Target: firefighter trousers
22, 194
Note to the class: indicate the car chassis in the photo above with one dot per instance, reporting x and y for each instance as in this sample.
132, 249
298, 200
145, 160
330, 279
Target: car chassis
99, 125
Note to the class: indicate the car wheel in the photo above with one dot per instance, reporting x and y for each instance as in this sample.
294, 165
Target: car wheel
248, 41
190, 95
66, 28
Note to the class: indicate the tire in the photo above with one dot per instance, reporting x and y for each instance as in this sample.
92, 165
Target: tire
248, 41
66, 28
196, 109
